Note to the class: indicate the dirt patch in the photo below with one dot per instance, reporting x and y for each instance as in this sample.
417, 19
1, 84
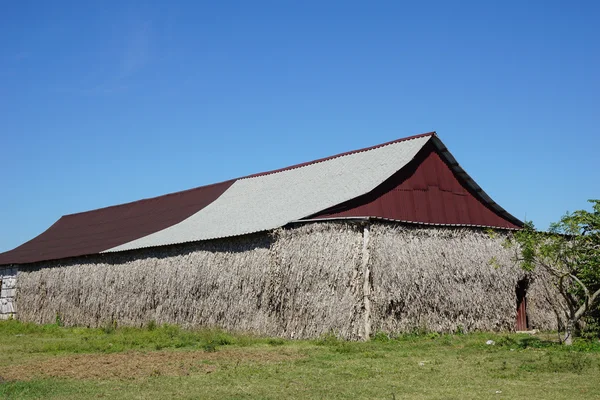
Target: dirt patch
132, 365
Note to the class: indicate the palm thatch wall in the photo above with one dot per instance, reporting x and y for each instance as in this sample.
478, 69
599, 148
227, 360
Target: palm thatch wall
289, 283
545, 307
298, 282
203, 284
446, 280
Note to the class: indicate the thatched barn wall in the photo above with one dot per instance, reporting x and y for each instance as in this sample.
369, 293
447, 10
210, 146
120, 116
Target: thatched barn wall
205, 283
317, 285
296, 282
445, 280
545, 307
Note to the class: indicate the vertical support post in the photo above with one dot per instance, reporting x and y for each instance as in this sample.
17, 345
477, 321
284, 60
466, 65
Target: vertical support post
366, 284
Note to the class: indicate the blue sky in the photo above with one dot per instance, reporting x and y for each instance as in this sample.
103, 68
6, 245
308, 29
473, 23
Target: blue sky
108, 103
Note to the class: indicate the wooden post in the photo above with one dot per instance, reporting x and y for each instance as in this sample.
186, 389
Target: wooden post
366, 284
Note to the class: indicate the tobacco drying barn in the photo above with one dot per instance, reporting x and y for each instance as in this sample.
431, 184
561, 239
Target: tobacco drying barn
392, 238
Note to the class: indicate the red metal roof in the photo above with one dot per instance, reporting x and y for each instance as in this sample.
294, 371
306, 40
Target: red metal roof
424, 191
432, 188
94, 231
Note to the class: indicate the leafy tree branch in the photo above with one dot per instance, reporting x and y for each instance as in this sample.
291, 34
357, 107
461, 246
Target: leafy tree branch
570, 253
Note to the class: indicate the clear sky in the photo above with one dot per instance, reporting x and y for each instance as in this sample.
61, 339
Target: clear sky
108, 103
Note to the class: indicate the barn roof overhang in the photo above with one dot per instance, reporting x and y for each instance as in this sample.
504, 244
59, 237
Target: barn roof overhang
399, 221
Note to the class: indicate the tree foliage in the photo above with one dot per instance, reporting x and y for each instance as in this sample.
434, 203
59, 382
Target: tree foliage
570, 253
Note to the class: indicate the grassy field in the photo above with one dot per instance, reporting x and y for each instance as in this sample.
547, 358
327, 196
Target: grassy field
53, 362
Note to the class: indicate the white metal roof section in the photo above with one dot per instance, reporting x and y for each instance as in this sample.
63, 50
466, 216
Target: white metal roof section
266, 202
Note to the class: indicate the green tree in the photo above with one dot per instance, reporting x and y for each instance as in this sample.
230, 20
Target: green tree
570, 253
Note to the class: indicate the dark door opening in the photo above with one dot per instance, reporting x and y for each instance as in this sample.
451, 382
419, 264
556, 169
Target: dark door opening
522, 320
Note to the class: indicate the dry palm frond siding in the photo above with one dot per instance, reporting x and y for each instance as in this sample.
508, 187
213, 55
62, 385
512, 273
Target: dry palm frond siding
545, 308
446, 280
297, 282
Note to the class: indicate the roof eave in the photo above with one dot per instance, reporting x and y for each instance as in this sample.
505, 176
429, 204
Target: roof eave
415, 223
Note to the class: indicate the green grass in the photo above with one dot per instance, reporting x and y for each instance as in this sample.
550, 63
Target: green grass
220, 365
31, 338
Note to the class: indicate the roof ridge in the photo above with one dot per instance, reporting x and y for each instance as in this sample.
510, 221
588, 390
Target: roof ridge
347, 153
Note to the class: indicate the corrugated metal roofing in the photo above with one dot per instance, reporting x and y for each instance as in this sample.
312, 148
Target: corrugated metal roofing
265, 202
321, 188
91, 232
425, 191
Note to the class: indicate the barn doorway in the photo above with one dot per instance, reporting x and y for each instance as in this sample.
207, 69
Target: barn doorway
522, 320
